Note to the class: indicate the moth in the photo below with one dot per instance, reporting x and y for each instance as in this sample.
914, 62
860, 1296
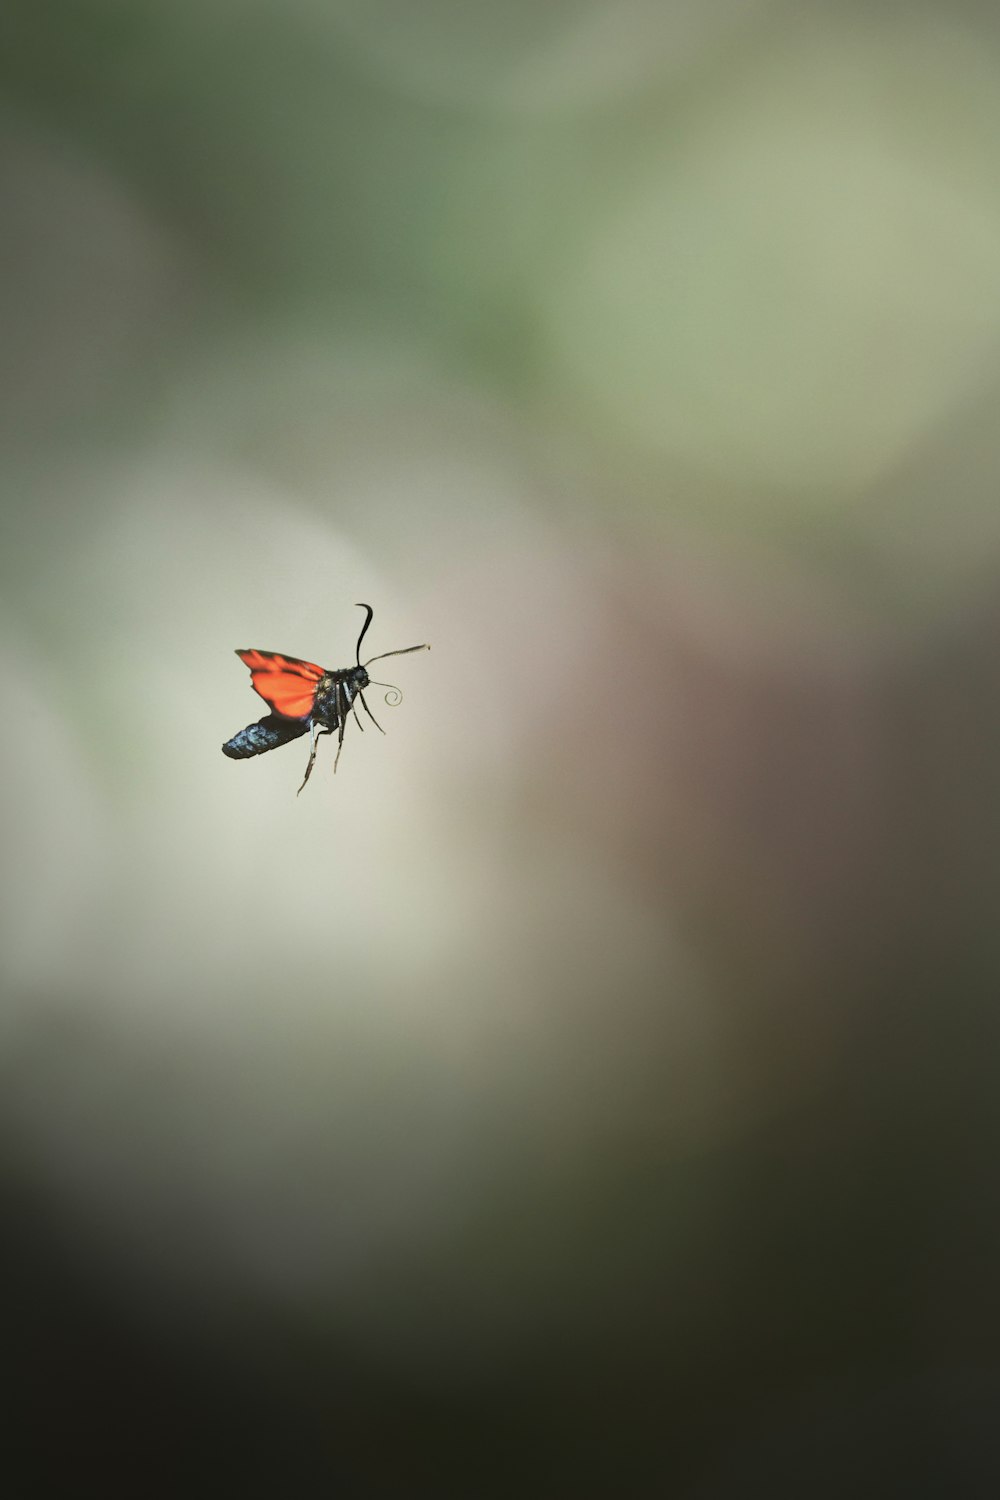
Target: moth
305, 698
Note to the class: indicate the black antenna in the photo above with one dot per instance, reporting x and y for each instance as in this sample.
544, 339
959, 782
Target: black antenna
363, 629
405, 651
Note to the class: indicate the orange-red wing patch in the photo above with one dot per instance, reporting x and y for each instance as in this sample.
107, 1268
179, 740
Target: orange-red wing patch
287, 684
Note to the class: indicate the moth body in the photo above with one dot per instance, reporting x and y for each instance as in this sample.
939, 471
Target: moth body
305, 698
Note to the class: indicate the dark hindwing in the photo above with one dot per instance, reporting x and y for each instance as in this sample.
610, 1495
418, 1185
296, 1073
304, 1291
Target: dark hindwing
267, 734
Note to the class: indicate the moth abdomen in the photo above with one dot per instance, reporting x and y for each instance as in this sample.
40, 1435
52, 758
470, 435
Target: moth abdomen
267, 734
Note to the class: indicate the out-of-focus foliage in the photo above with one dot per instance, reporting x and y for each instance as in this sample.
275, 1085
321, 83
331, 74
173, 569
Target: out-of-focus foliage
592, 1088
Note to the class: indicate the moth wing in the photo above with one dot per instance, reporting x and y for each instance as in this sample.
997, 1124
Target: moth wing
286, 684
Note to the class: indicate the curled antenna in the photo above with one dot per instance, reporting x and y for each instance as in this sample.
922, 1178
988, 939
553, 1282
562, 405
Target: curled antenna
394, 696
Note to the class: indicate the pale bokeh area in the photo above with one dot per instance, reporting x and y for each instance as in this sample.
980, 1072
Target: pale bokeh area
592, 1088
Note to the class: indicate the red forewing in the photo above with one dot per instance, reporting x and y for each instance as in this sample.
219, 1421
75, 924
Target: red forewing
287, 684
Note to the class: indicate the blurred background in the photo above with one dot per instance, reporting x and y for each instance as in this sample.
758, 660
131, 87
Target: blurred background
593, 1088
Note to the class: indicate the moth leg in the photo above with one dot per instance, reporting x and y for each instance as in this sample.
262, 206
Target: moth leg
315, 730
370, 714
354, 711
342, 707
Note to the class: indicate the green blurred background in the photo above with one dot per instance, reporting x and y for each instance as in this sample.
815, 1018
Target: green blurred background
593, 1090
